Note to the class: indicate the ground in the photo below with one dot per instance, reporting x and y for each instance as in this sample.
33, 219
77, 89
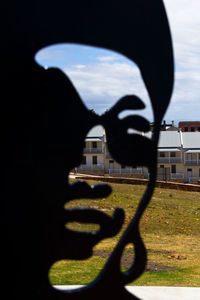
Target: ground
127, 260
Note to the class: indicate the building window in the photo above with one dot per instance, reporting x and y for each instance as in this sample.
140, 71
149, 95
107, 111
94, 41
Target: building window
162, 154
198, 128
162, 166
185, 129
94, 144
199, 172
192, 129
83, 160
94, 160
173, 168
173, 154
123, 166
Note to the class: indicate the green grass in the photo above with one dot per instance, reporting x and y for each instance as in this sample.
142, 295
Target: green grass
180, 277
73, 272
170, 225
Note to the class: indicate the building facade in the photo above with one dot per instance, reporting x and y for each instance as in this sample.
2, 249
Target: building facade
189, 126
178, 157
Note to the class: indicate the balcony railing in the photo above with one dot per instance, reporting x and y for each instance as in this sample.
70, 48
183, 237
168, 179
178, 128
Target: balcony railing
91, 167
191, 162
125, 171
177, 176
92, 150
192, 179
172, 160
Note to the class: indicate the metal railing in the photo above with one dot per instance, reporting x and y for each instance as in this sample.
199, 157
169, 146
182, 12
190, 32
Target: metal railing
125, 171
177, 175
91, 167
172, 160
192, 179
92, 150
192, 162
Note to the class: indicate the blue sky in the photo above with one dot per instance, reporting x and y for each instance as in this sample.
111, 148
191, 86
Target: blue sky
102, 77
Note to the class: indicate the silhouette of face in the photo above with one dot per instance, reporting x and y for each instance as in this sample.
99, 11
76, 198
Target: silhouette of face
52, 123
127, 149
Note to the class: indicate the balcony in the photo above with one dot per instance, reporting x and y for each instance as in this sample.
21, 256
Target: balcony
92, 150
192, 162
168, 160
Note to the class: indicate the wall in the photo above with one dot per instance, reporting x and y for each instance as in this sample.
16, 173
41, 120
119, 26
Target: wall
116, 166
100, 159
141, 176
161, 184
195, 171
182, 125
91, 172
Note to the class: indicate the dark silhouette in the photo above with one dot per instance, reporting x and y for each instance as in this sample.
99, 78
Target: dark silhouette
39, 144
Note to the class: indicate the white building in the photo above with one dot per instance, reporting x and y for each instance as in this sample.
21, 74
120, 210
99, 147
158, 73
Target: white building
178, 157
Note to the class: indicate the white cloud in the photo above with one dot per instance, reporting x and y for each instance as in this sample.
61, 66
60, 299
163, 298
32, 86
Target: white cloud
184, 21
103, 83
80, 67
108, 58
106, 77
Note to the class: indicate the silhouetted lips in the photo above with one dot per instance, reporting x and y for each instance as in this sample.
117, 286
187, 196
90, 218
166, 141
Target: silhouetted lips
82, 190
80, 243
109, 225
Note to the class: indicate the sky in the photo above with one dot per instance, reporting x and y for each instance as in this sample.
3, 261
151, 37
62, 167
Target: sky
102, 77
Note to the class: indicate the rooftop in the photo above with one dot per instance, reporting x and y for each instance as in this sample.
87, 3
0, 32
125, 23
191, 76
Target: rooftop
168, 139
97, 132
191, 139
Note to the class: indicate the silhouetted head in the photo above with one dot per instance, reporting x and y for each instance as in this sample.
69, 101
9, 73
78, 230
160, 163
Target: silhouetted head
46, 123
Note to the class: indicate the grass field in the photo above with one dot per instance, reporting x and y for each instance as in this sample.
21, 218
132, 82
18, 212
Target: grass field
170, 229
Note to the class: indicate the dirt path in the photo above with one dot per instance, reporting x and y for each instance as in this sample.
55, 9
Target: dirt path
127, 260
